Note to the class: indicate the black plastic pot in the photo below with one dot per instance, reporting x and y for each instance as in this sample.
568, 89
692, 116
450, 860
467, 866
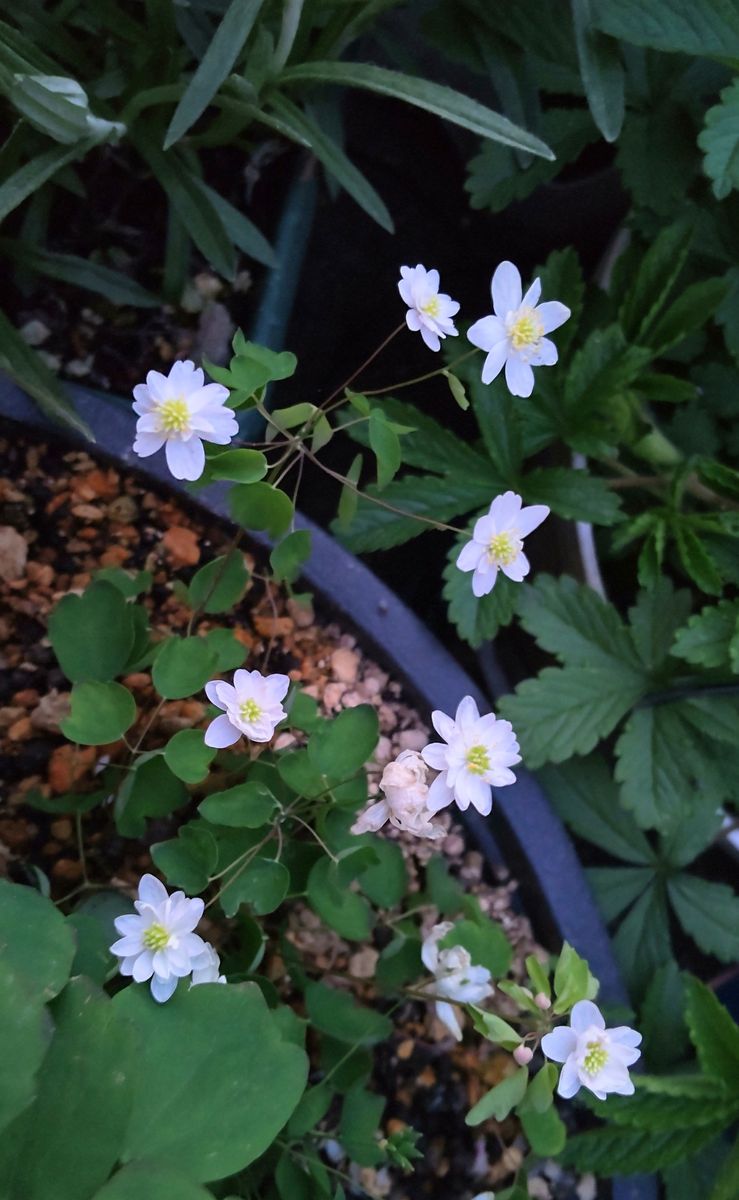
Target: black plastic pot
523, 825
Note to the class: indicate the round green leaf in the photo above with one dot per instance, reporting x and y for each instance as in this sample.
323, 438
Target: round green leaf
150, 790
151, 1181
189, 860
35, 940
92, 635
263, 885
241, 466
341, 747
338, 1014
93, 957
24, 1036
345, 911
220, 584
386, 880
182, 667
101, 713
288, 557
248, 805
261, 506
187, 755
229, 651
217, 1107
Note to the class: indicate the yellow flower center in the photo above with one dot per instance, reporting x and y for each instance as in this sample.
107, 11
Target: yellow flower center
478, 760
155, 937
431, 306
526, 330
174, 415
250, 711
596, 1058
502, 549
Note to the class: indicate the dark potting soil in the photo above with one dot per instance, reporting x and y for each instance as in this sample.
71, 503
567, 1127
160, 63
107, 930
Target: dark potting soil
64, 515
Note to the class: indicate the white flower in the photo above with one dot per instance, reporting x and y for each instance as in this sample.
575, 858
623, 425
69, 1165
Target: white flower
515, 335
476, 753
206, 968
497, 542
180, 411
159, 943
594, 1057
429, 310
454, 977
252, 707
405, 803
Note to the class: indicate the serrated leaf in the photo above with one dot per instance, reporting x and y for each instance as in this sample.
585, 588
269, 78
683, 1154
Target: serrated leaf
662, 1021
574, 494
676, 25
427, 496
477, 619
601, 72
585, 795
658, 270
658, 612
642, 943
695, 305
719, 140
707, 637
713, 1033
658, 765
573, 622
616, 888
385, 445
614, 1150
709, 913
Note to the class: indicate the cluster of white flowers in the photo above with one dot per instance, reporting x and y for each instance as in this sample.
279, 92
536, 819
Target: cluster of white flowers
456, 979
594, 1057
159, 944
251, 706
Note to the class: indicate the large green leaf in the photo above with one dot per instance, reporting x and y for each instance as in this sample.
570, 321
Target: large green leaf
225, 47
585, 795
25, 1031
100, 713
601, 71
709, 912
708, 28
182, 667
34, 174
477, 619
616, 888
614, 1150
81, 272
434, 97
242, 232
392, 518
360, 1119
35, 941
642, 943
573, 494
501, 1099
341, 747
92, 635
719, 141
337, 1013
151, 1181
150, 789
713, 1033
662, 1019
573, 622
209, 1111
658, 612
65, 1145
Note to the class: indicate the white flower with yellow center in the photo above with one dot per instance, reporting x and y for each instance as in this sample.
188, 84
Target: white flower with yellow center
206, 968
514, 336
252, 707
180, 411
405, 804
497, 542
159, 943
594, 1057
476, 754
430, 311
455, 978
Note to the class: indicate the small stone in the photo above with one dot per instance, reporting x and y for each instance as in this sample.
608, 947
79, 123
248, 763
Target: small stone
9, 714
123, 509
364, 963
13, 554
538, 1188
26, 697
79, 367
285, 740
50, 711
34, 332
215, 331
61, 829
67, 869
301, 612
345, 665
15, 833
68, 764
332, 694
114, 556
137, 680
412, 739
586, 1188
453, 846
273, 627
40, 573
87, 512
405, 1048
351, 699
388, 718
182, 546
21, 730
383, 751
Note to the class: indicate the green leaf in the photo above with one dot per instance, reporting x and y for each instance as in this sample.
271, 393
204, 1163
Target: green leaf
53, 104
290, 554
499, 1102
600, 369
182, 667
35, 941
585, 796
242, 232
386, 880
616, 888
29, 178
349, 498
29, 371
573, 980
426, 496
151, 1181
613, 1150
497, 415
435, 98
658, 612
92, 635
189, 860
567, 711
429, 445
713, 1033
346, 912
662, 1021
711, 28
92, 956
130, 584
603, 79
336, 1013
215, 1109
727, 1182
658, 271
720, 476
187, 755
220, 584
85, 1085
100, 713
707, 637
306, 131
642, 943
230, 653
256, 365
385, 445
709, 913
719, 140
24, 1036
691, 836
240, 466
149, 790
399, 962
695, 305
573, 494
341, 747
261, 506
215, 65
486, 942
312, 1108
656, 766
495, 1029
546, 1131
248, 805
361, 1114
573, 622
477, 619
263, 885
80, 272
457, 388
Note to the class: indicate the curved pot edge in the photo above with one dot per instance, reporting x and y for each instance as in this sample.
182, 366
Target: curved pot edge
429, 672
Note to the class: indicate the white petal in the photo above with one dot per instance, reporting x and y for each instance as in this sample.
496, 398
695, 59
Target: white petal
162, 989
152, 891
546, 355
530, 518
487, 332
143, 968
505, 510
435, 755
126, 946
584, 1015
433, 280
480, 795
552, 314
186, 460
448, 1016
493, 364
483, 580
518, 569
277, 686
531, 299
467, 714
559, 1044
221, 733
157, 385
404, 288
469, 556
128, 924
440, 796
443, 724
147, 443
506, 289
625, 1036
519, 377
412, 320
430, 338
569, 1080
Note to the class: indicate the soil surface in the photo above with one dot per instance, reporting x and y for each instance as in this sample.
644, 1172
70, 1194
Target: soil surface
63, 516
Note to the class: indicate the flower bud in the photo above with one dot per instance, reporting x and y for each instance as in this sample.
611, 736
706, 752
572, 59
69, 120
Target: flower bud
523, 1055
541, 1001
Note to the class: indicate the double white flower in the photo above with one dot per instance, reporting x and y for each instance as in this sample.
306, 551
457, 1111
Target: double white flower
430, 311
455, 978
406, 800
206, 968
252, 707
514, 337
476, 754
180, 411
497, 542
594, 1057
159, 943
